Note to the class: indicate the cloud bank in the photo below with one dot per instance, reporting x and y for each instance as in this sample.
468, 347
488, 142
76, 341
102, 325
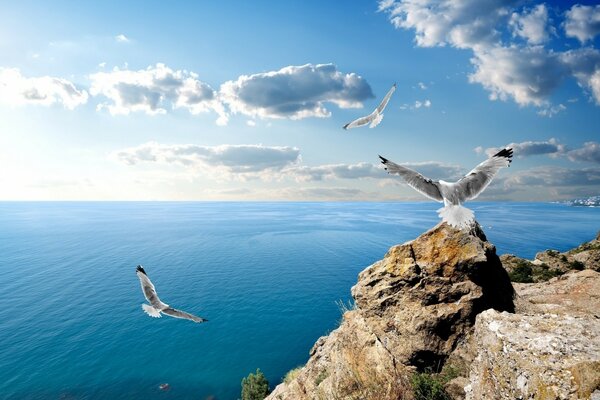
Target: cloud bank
16, 89
519, 66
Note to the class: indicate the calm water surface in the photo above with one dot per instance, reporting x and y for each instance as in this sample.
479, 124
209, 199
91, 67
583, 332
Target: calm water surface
266, 275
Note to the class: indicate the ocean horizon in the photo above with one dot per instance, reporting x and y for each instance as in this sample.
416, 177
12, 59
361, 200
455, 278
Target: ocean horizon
267, 276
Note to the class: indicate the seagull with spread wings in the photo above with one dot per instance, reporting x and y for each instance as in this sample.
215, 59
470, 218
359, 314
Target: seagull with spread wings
156, 306
376, 116
453, 194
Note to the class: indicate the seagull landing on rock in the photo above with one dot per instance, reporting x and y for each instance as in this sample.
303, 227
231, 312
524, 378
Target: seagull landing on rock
376, 116
453, 194
156, 306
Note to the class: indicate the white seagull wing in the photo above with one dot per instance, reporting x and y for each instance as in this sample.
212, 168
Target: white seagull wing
421, 184
475, 182
361, 121
182, 314
386, 99
149, 290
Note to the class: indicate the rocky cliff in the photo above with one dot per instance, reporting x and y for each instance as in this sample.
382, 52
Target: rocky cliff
413, 309
422, 310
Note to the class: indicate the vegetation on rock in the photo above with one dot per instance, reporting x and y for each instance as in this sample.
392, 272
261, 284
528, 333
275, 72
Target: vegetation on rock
292, 374
255, 386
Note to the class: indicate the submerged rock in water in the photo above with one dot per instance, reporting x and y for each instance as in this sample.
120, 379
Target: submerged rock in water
414, 308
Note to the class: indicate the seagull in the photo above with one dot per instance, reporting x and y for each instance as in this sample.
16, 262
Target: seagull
453, 194
376, 116
157, 307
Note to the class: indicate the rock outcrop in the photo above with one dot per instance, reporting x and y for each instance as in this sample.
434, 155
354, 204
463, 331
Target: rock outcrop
414, 310
539, 356
443, 305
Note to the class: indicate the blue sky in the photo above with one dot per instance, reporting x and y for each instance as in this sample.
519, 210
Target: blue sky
241, 100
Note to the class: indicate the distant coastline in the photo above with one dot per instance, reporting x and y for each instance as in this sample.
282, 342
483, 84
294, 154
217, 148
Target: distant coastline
592, 201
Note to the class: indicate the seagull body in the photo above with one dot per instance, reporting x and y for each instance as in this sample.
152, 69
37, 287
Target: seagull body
376, 116
156, 307
453, 194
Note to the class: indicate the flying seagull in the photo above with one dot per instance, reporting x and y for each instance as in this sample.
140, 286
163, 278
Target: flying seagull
453, 194
157, 307
376, 116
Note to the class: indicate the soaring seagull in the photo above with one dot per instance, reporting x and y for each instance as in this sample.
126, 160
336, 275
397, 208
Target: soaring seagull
157, 307
453, 194
376, 116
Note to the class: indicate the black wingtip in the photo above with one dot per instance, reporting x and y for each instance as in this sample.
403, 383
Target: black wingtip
506, 153
345, 127
383, 160
394, 85
139, 268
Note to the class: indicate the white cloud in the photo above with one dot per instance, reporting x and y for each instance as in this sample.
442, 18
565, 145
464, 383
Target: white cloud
554, 176
552, 110
337, 171
425, 104
460, 23
15, 89
221, 162
122, 38
422, 86
531, 24
418, 104
590, 152
251, 122
153, 90
584, 64
295, 92
582, 22
528, 148
527, 75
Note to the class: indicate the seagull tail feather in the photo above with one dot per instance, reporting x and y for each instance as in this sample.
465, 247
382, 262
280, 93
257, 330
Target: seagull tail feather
151, 311
457, 216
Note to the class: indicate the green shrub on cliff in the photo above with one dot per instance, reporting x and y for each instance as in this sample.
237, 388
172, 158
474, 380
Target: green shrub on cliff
428, 386
255, 386
577, 265
521, 273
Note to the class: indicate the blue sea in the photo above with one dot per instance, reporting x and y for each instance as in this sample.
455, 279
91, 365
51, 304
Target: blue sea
266, 275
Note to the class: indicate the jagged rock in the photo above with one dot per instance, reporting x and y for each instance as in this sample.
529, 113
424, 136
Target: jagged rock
414, 308
543, 356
